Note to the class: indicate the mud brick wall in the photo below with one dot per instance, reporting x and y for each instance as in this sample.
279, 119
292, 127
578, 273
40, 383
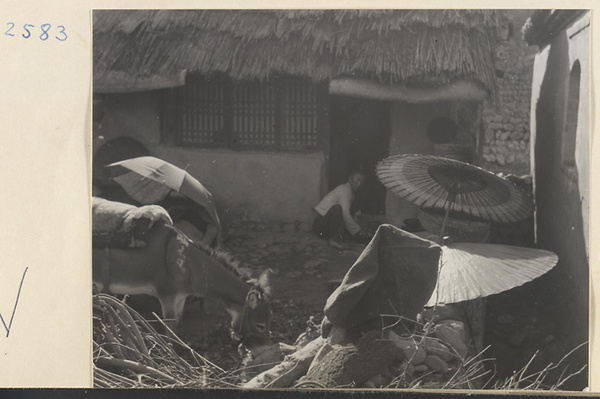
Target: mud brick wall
504, 142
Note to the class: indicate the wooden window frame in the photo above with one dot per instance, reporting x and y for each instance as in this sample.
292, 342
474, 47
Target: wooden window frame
172, 116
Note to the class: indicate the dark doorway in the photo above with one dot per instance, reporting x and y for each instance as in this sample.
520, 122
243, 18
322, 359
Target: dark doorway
360, 136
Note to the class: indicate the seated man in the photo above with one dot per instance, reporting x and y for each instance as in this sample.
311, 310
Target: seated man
333, 219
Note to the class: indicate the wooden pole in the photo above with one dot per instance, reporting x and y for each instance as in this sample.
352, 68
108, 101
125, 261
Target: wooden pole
444, 226
449, 201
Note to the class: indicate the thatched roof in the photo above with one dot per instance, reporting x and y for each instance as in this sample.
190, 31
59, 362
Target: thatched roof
422, 48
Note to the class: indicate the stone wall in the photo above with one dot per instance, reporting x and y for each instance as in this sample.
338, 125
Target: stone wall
504, 143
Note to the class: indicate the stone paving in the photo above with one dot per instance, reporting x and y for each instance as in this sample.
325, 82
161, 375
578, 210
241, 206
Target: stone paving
302, 263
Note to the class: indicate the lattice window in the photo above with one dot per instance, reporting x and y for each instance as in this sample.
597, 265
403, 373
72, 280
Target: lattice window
254, 114
203, 113
300, 115
278, 114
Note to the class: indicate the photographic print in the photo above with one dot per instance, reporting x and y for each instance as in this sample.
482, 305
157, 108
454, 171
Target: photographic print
341, 199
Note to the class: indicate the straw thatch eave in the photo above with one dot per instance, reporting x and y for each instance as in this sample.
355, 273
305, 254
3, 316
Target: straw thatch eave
421, 48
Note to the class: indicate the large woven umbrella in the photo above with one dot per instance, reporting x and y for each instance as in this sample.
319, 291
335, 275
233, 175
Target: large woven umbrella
472, 270
433, 182
149, 180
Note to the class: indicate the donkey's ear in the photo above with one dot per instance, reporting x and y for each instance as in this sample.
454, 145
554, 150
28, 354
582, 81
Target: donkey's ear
264, 281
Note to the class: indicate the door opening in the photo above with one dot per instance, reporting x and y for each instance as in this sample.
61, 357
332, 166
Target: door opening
360, 135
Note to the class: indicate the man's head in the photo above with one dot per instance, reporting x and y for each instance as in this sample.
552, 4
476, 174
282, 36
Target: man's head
356, 180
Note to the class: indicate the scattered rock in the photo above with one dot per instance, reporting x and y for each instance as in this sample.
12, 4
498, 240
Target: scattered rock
412, 352
434, 347
262, 358
436, 364
452, 338
440, 313
406, 367
312, 264
420, 369
457, 326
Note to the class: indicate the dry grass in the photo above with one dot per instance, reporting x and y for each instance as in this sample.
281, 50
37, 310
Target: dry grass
478, 372
130, 353
541, 380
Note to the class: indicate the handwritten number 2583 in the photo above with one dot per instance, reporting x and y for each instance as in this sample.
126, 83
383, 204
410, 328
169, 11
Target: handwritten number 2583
62, 34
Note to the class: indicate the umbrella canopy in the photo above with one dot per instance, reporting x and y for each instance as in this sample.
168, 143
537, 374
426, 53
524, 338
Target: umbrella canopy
149, 180
445, 184
473, 270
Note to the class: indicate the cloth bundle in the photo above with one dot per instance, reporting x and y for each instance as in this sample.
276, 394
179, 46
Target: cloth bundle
115, 224
395, 275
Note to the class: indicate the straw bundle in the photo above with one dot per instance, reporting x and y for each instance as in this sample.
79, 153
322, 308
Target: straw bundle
129, 353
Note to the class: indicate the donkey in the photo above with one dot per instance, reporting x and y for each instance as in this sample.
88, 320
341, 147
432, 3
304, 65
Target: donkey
172, 267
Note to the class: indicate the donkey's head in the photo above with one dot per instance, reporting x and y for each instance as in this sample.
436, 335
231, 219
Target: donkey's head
252, 326
204, 272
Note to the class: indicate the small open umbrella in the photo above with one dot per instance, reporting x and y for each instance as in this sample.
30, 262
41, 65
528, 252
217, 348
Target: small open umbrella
472, 270
149, 180
433, 182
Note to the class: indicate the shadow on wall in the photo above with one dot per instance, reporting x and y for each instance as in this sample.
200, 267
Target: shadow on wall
559, 216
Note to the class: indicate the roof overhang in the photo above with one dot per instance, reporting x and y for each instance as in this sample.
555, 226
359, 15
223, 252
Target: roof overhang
121, 82
545, 25
458, 90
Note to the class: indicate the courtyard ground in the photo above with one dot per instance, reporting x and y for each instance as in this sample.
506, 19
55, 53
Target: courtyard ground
517, 324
